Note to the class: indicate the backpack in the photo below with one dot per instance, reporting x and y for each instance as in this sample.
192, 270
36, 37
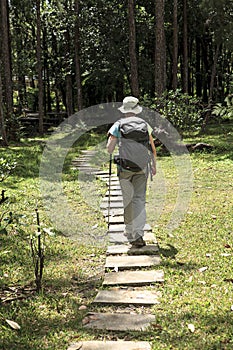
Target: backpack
134, 144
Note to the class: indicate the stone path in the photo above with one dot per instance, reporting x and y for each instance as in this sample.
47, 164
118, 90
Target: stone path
131, 273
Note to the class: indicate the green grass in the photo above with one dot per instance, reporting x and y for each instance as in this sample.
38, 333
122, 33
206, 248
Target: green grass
74, 271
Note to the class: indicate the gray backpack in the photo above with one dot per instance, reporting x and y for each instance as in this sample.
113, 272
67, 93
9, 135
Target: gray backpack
134, 145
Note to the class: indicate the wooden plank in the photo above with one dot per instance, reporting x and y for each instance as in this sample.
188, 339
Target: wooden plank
135, 297
149, 249
133, 277
125, 262
110, 345
118, 322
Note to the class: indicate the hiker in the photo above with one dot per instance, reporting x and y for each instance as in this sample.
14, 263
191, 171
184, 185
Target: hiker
133, 172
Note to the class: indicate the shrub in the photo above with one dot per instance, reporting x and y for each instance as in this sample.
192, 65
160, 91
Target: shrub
224, 111
183, 111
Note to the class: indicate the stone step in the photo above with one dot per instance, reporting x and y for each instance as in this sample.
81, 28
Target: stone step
112, 199
113, 193
86, 168
82, 160
115, 187
114, 212
106, 177
129, 278
118, 321
110, 345
149, 249
113, 204
89, 171
116, 219
121, 228
89, 152
120, 238
126, 262
135, 297
113, 182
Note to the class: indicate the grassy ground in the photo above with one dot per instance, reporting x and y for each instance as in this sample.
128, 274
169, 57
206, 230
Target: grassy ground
196, 305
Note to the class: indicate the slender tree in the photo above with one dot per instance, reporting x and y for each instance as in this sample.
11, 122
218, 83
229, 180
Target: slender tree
6, 58
132, 50
175, 46
39, 67
2, 119
77, 57
211, 90
160, 48
185, 47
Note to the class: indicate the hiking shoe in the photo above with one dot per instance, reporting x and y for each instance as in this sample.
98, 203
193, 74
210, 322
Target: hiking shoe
138, 243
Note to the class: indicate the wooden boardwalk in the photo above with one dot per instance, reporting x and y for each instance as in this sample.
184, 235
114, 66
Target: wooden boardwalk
130, 278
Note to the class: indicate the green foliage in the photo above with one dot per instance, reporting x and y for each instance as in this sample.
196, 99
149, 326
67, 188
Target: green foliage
7, 165
224, 111
182, 110
11, 222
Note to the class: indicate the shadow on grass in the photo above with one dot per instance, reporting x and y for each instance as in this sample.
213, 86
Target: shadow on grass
169, 252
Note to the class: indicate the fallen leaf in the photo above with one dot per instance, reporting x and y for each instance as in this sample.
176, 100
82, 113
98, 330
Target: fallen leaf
157, 326
191, 327
202, 269
190, 279
202, 282
82, 307
227, 246
13, 324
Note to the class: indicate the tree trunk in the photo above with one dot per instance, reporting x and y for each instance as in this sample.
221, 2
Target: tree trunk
160, 48
69, 95
39, 68
2, 120
211, 91
5, 54
132, 50
198, 68
175, 46
185, 47
77, 58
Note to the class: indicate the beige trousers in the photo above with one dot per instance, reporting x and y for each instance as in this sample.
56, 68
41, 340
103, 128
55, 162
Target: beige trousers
133, 186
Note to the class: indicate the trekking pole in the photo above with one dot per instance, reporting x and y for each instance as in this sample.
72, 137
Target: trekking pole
109, 187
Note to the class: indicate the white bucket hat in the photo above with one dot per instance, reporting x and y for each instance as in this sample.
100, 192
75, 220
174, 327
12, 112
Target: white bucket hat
130, 105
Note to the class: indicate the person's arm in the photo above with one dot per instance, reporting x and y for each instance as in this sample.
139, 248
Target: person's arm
111, 144
154, 155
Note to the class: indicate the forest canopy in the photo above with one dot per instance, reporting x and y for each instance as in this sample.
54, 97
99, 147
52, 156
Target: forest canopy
60, 56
